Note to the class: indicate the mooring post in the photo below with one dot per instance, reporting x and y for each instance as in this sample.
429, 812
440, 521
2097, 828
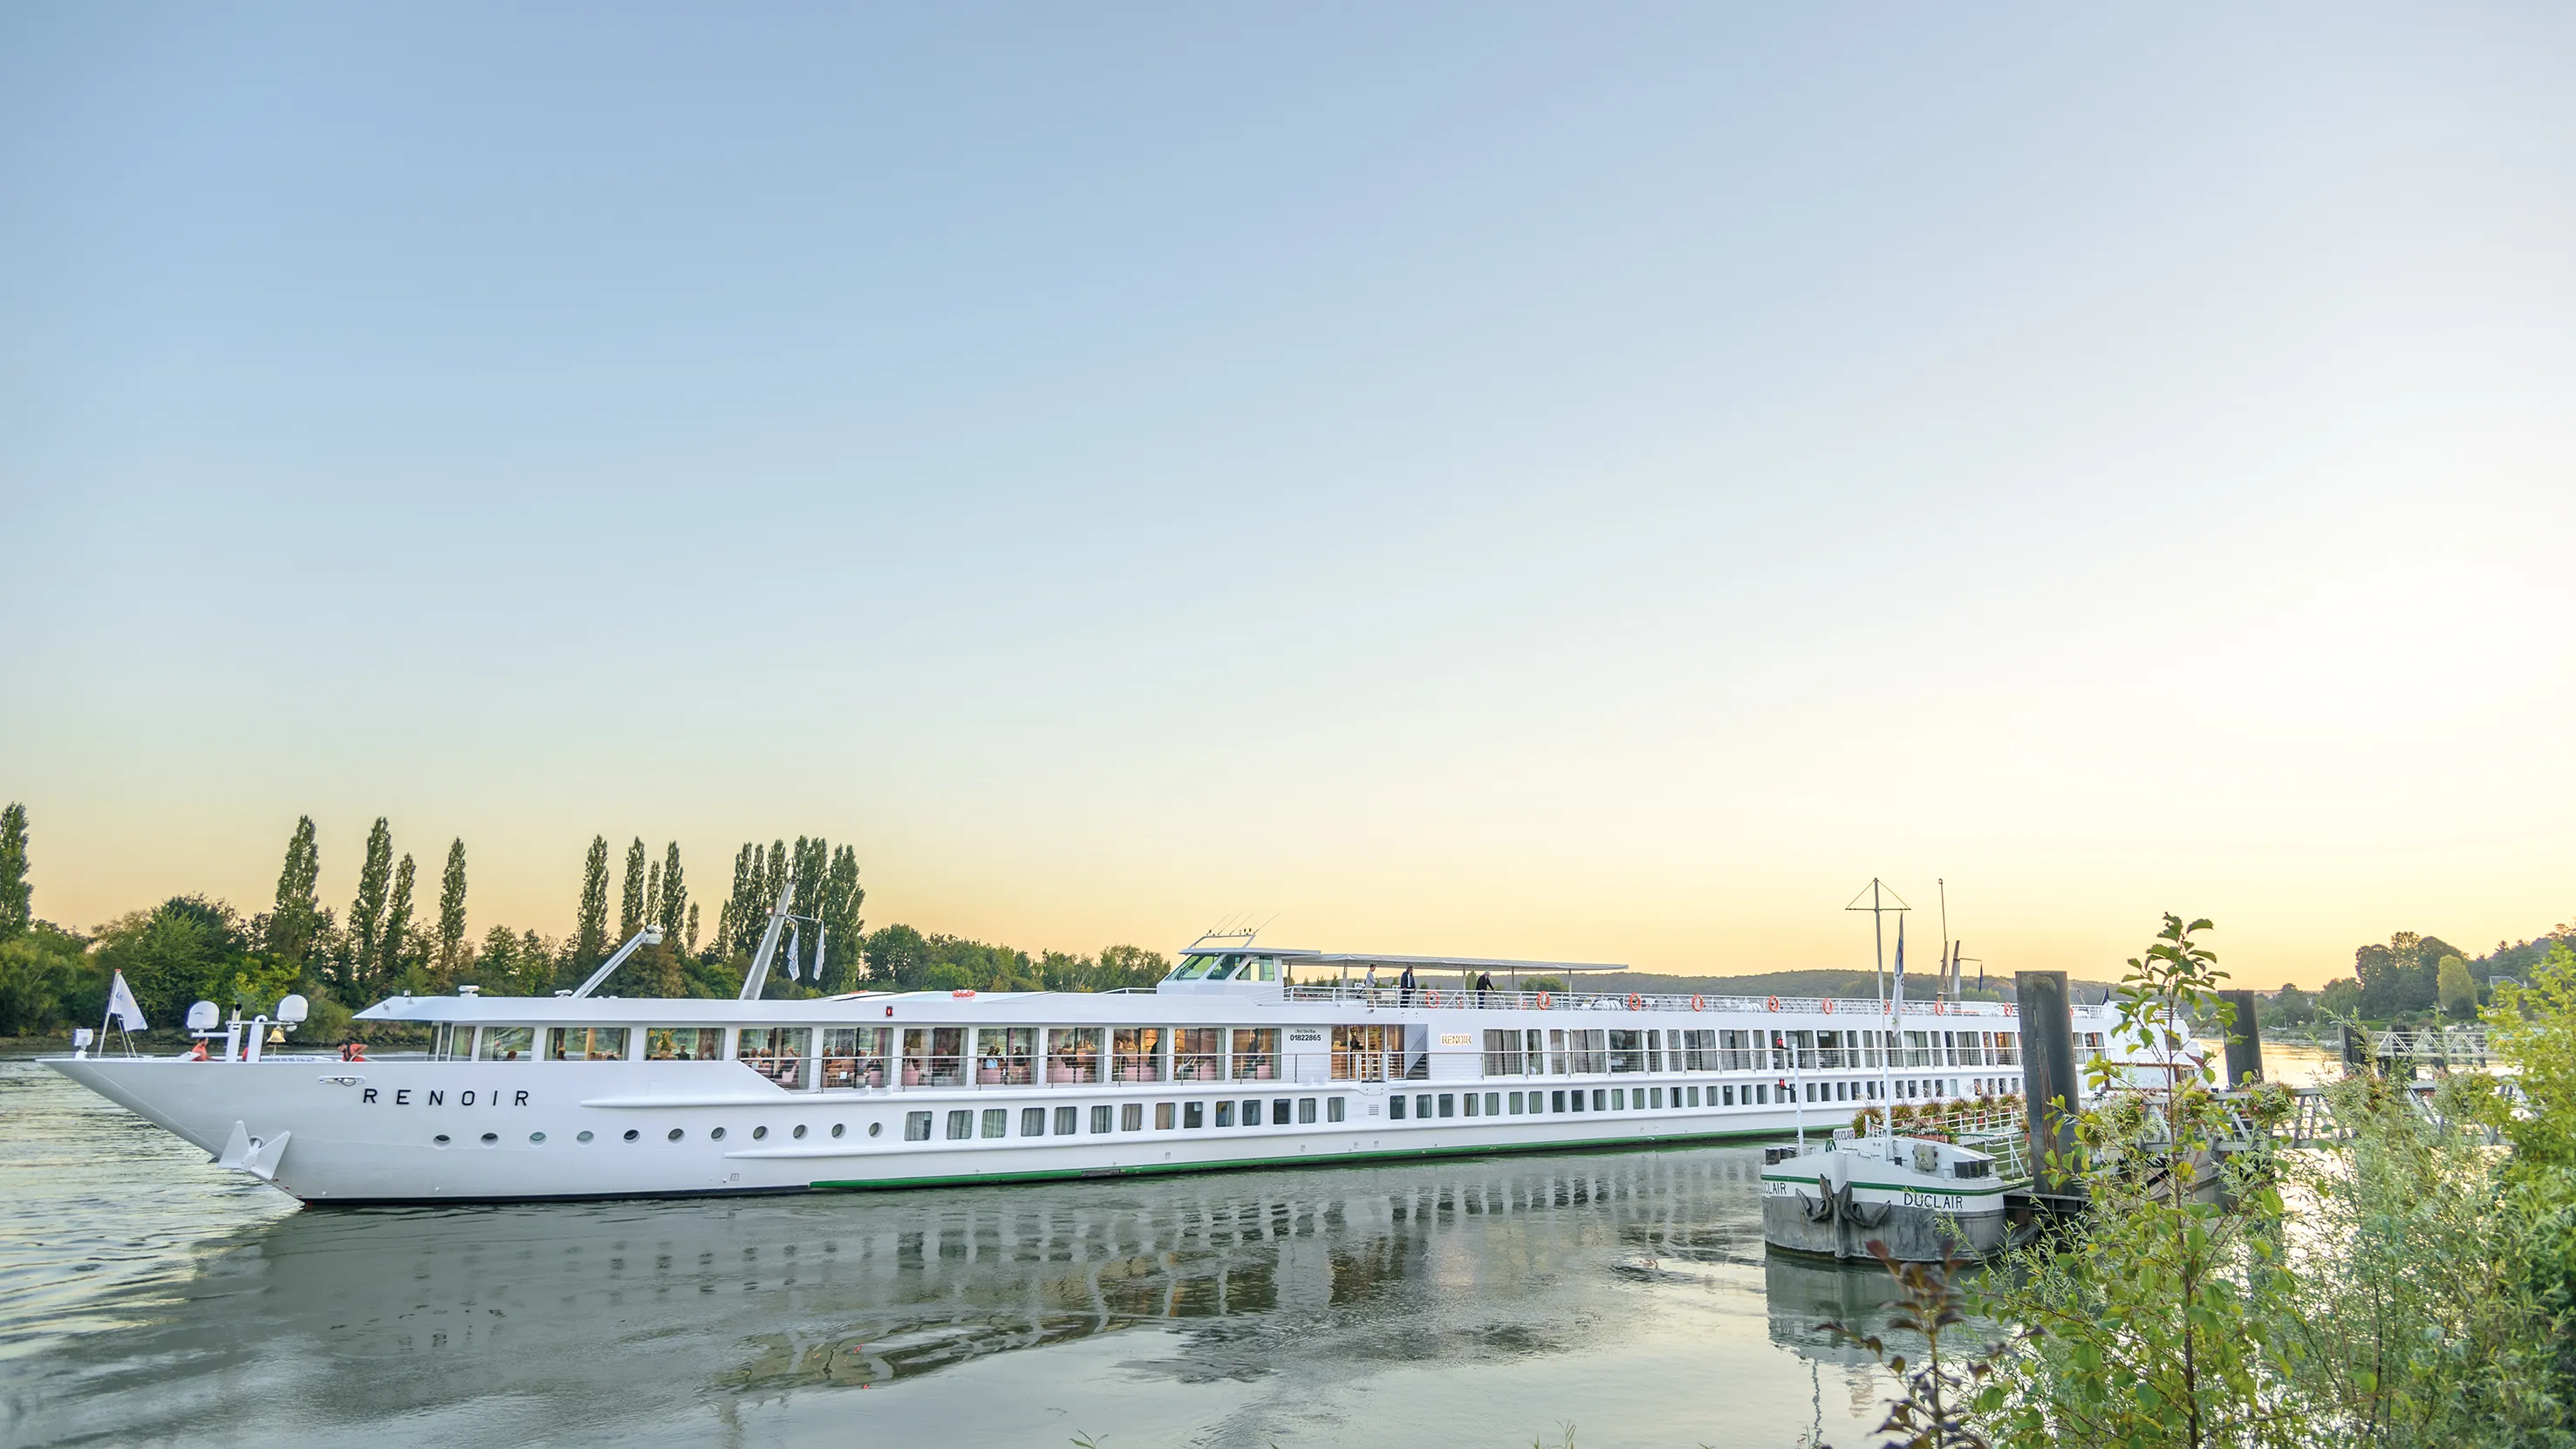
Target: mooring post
2244, 1041
2048, 1075
2356, 1049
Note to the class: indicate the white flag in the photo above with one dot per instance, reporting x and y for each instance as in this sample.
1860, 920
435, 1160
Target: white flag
122, 1005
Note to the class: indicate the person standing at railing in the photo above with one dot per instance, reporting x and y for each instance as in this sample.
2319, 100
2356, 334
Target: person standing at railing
1484, 987
1404, 987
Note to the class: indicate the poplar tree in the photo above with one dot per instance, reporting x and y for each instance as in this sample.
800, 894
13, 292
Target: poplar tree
451, 911
590, 931
389, 959
630, 910
842, 928
693, 928
653, 893
675, 895
298, 915
367, 912
773, 879
729, 921
17, 912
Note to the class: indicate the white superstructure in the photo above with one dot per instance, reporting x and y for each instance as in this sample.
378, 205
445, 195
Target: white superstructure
1245, 1056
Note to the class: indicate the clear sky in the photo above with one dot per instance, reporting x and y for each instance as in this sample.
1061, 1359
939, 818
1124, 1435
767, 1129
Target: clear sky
1590, 481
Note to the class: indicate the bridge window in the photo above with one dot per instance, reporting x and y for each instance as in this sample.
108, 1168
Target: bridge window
585, 1044
1191, 968
506, 1044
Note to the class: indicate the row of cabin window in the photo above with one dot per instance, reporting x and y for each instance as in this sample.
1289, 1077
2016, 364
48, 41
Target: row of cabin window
1537, 1052
965, 1123
913, 1056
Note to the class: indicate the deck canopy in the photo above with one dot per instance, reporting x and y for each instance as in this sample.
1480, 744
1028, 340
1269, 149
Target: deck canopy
1347, 960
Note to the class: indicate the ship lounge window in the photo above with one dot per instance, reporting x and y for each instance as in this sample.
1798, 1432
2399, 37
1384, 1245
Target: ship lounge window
1064, 1120
1395, 1108
585, 1043
1306, 1111
1360, 1053
1100, 1118
997, 1121
1006, 1056
1138, 1053
934, 1056
1256, 1053
1033, 1121
1503, 1053
961, 1124
1198, 1054
916, 1126
1073, 1055
1162, 1116
506, 1044
683, 1043
1131, 1117
776, 1052
1334, 1109
1194, 1114
1591, 1051
1628, 1050
855, 1056
1225, 1114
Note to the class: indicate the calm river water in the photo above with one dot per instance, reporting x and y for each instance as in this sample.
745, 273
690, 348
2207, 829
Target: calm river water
147, 1298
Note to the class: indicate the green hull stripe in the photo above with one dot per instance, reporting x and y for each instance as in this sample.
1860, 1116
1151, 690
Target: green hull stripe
1323, 1159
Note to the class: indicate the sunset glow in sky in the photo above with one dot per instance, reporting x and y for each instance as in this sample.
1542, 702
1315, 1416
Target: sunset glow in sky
1530, 481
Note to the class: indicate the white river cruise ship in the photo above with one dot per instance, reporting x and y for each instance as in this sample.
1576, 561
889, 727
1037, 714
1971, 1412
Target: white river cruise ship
1244, 1056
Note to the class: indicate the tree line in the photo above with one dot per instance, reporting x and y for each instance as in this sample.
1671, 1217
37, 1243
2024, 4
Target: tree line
2415, 979
391, 940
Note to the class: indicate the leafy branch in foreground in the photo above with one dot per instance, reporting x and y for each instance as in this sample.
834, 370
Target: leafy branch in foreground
1942, 1401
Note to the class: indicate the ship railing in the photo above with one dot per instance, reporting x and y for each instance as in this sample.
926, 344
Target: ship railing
1451, 1067
1503, 999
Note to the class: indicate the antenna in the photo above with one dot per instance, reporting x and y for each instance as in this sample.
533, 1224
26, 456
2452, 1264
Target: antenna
1878, 909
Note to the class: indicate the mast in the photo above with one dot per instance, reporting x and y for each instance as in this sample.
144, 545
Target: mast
1878, 896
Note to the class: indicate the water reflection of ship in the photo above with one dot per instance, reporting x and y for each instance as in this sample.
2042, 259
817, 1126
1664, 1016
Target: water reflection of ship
1453, 1260
1803, 1293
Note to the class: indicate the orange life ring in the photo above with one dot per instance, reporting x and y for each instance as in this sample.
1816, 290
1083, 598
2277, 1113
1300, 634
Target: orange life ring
961, 995
1772, 1004
1940, 1008
1636, 1002
1542, 1001
1699, 1003
1829, 1006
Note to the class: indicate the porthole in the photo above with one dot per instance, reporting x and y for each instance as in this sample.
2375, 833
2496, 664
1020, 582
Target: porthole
758, 1133
440, 1139
875, 1127
491, 1137
838, 1129
584, 1137
799, 1133
676, 1134
536, 1137
631, 1134
717, 1135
